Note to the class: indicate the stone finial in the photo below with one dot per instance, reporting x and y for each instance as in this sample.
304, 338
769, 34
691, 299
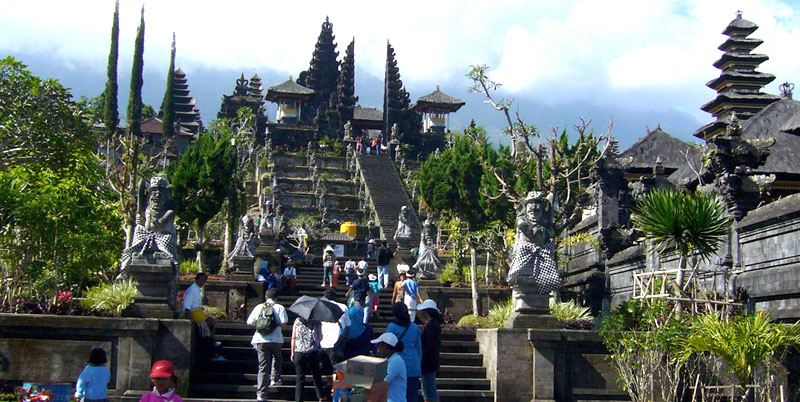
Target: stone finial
786, 90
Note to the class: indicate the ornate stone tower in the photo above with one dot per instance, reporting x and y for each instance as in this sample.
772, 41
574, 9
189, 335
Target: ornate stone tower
739, 84
186, 113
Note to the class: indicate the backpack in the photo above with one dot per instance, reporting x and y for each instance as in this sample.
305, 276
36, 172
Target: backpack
266, 323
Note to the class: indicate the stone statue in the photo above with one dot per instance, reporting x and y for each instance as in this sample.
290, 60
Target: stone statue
348, 131
398, 156
436, 153
402, 165
533, 255
395, 136
267, 226
403, 229
245, 244
154, 235
428, 261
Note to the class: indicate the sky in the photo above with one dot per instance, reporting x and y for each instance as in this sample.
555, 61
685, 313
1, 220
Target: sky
638, 63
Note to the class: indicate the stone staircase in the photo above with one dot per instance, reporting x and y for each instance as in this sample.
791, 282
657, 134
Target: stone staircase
388, 194
462, 376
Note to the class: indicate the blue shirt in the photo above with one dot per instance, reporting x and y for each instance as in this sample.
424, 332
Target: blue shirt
412, 347
93, 382
411, 287
396, 377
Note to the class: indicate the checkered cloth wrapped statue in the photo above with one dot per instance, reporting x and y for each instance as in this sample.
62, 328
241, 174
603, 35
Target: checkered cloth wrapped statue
154, 234
245, 243
533, 254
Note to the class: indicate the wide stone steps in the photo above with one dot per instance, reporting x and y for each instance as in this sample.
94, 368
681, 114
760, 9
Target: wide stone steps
388, 194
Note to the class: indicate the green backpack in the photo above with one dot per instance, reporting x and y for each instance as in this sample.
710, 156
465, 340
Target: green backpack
266, 323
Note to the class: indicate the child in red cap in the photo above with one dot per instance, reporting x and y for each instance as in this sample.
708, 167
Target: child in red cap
163, 376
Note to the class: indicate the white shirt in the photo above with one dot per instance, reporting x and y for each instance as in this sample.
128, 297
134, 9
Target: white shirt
290, 271
331, 330
277, 335
192, 298
350, 264
362, 264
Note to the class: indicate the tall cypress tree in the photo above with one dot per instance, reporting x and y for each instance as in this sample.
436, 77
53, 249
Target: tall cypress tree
168, 105
393, 93
110, 111
323, 71
135, 97
343, 100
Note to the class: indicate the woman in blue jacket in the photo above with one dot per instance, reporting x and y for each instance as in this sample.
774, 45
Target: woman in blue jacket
408, 333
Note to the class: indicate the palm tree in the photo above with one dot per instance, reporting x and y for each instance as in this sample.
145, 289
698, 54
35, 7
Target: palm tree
691, 223
743, 343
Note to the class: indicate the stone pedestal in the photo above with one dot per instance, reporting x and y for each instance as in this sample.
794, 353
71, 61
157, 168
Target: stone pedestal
243, 268
531, 309
156, 281
403, 243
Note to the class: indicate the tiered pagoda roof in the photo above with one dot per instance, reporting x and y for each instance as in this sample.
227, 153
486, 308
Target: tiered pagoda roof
438, 101
255, 88
289, 89
186, 113
739, 84
246, 94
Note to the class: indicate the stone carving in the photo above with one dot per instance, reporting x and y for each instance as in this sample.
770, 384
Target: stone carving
436, 153
267, 227
395, 135
428, 261
348, 131
414, 190
397, 156
154, 235
402, 165
245, 244
533, 255
403, 229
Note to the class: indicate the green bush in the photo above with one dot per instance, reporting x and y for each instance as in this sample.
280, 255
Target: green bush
189, 267
451, 273
110, 298
473, 321
569, 311
215, 312
500, 313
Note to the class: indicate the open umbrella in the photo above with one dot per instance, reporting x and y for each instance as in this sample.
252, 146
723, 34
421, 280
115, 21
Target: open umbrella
316, 309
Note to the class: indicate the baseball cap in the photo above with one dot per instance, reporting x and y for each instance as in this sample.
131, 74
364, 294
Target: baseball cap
387, 338
162, 369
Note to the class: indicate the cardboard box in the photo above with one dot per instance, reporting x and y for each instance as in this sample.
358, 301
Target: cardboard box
363, 371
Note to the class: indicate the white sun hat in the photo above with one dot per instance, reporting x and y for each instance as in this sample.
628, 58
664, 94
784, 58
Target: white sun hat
428, 304
387, 338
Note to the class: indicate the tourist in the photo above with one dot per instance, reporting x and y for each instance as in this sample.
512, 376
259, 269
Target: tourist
263, 272
371, 249
374, 145
376, 289
92, 384
335, 274
411, 297
328, 259
358, 145
384, 256
305, 356
162, 374
268, 343
408, 333
331, 332
350, 270
193, 307
396, 380
362, 265
431, 343
360, 333
290, 277
398, 292
272, 280
361, 292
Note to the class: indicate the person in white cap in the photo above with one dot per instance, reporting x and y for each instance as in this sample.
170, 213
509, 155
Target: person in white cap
389, 347
328, 259
431, 342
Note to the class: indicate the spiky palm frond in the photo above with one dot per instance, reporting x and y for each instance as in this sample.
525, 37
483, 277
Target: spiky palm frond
691, 222
742, 342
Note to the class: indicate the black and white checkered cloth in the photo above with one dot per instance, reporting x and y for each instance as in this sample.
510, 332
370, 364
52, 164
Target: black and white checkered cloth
143, 241
528, 259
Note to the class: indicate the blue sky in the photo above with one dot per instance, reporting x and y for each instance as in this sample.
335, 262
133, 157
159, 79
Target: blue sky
638, 62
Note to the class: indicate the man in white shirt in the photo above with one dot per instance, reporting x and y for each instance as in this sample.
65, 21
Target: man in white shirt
331, 331
193, 307
268, 346
362, 265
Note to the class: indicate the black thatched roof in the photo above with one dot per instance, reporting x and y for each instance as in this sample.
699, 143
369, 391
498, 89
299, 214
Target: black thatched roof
288, 89
439, 100
770, 122
367, 113
336, 237
792, 125
740, 25
656, 144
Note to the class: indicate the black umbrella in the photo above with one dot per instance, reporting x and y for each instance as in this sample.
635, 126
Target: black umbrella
316, 309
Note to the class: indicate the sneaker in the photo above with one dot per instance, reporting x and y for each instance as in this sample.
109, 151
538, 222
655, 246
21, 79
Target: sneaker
218, 359
275, 383
217, 343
